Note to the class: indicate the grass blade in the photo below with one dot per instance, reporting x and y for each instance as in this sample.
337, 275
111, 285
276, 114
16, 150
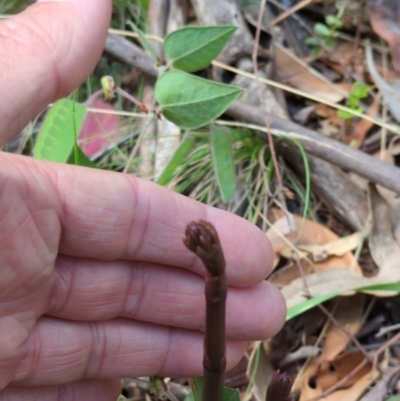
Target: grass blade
224, 167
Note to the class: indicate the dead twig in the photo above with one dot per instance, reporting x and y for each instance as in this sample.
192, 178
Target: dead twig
325, 148
329, 315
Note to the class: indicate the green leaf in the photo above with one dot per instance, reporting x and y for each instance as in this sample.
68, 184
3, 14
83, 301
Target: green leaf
311, 41
333, 21
193, 48
59, 131
224, 167
322, 30
330, 19
78, 158
228, 394
192, 102
184, 148
345, 114
360, 90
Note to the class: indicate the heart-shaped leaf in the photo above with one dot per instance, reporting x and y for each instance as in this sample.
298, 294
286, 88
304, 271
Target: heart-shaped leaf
192, 102
193, 48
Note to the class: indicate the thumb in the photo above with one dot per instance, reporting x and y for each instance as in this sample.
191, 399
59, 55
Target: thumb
46, 52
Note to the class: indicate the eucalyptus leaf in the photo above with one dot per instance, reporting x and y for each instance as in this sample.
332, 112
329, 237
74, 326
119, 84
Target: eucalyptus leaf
224, 167
193, 48
59, 131
192, 102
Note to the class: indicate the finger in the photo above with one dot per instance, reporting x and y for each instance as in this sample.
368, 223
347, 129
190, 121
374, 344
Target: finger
88, 390
61, 351
89, 290
109, 216
47, 51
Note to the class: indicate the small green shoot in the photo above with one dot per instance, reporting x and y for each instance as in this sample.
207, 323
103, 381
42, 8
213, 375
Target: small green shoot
358, 93
325, 33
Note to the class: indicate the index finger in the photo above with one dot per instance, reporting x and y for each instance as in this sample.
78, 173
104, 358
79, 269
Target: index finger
109, 216
45, 52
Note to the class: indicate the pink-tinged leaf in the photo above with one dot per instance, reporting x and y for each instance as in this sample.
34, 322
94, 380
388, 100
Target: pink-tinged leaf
100, 131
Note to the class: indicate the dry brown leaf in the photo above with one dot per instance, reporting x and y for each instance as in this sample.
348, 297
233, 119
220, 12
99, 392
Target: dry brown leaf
354, 392
277, 234
295, 72
341, 281
323, 372
380, 390
290, 233
348, 313
288, 273
337, 248
384, 239
331, 372
344, 57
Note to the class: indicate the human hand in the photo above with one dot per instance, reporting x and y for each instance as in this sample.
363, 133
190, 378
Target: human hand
95, 281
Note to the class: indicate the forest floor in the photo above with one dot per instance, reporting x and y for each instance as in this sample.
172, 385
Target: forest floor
314, 141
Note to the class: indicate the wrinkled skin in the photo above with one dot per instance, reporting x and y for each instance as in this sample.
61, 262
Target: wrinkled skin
95, 282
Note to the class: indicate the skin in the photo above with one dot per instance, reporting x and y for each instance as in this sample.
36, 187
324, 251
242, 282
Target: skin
95, 282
